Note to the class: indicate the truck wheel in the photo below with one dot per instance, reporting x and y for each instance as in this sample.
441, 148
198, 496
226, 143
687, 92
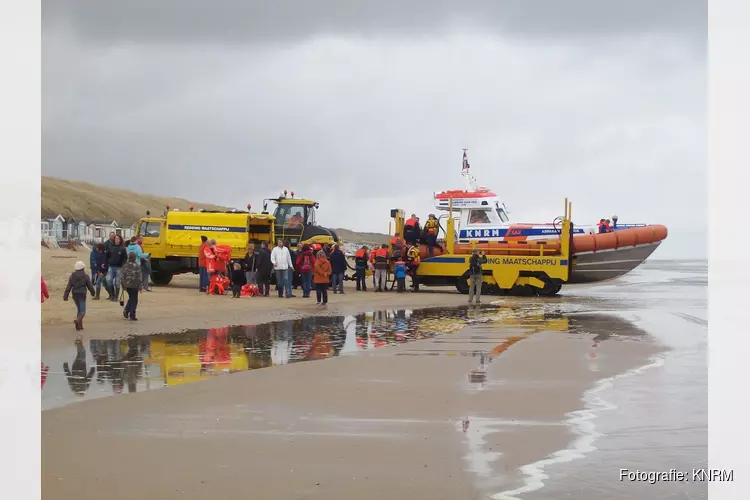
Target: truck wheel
160, 278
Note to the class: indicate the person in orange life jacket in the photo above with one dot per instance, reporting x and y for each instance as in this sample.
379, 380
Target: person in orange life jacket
381, 268
360, 265
295, 220
202, 273
412, 263
607, 225
239, 278
305, 265
431, 233
209, 253
338, 268
601, 227
412, 230
400, 271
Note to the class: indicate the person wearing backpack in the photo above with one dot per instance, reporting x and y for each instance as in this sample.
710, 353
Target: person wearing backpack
305, 265
475, 274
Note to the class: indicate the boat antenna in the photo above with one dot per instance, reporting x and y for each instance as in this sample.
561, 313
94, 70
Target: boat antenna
470, 180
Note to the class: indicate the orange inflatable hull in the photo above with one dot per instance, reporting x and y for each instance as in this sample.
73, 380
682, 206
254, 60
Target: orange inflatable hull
581, 244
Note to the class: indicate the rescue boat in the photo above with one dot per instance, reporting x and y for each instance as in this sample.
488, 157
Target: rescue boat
483, 223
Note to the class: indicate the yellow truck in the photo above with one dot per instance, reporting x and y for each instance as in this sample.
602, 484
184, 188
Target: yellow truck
173, 240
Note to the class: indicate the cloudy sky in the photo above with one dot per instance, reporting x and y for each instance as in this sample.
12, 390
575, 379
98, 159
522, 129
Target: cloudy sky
366, 105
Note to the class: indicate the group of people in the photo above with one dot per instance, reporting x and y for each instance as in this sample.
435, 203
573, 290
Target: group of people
314, 266
606, 225
414, 235
120, 269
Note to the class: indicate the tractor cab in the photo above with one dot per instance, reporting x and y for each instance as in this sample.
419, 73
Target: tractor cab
295, 220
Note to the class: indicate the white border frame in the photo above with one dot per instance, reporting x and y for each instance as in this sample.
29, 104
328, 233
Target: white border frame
729, 135
20, 160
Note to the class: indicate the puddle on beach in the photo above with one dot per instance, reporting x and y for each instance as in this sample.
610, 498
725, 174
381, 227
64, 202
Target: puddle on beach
99, 368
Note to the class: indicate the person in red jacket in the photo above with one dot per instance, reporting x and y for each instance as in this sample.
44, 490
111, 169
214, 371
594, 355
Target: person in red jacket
202, 265
45, 291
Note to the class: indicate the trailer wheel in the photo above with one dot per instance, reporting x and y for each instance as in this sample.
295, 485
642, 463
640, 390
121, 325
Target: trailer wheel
462, 283
161, 278
550, 289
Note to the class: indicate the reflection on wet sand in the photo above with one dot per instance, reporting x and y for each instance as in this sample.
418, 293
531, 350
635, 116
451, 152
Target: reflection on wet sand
150, 362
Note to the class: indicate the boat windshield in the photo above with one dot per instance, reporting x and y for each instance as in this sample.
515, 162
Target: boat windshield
502, 215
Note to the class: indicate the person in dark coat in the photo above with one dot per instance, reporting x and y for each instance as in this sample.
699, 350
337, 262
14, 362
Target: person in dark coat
117, 256
338, 268
294, 277
250, 265
79, 283
264, 269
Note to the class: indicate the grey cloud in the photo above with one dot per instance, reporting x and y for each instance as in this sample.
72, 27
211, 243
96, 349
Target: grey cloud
234, 21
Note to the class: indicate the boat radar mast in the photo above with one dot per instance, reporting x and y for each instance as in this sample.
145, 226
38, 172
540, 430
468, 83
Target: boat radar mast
471, 181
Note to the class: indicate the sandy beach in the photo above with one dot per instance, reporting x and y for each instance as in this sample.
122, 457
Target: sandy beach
423, 398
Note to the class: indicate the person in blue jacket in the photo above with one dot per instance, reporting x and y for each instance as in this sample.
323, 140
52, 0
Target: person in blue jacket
400, 271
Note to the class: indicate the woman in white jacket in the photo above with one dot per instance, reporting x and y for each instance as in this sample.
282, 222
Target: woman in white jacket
282, 262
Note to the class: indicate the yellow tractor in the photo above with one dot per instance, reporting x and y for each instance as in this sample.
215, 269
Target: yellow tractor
295, 221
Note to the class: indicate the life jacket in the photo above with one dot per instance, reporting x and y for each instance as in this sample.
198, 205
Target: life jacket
602, 227
431, 226
295, 221
607, 228
360, 253
411, 222
360, 258
381, 258
412, 256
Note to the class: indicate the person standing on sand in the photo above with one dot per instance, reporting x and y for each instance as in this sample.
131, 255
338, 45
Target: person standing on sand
203, 275
100, 264
116, 258
132, 279
360, 262
475, 274
338, 268
294, 280
305, 264
145, 266
282, 262
78, 284
321, 275
250, 265
265, 269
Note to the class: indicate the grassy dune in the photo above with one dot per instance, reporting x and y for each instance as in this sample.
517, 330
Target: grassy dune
84, 201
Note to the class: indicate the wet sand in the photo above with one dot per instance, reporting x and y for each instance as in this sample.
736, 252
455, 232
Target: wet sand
180, 305
453, 416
